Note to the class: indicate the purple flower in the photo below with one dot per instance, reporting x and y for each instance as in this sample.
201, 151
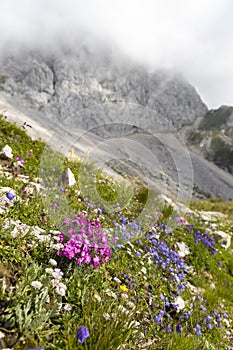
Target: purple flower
10, 196
35, 348
178, 329
82, 334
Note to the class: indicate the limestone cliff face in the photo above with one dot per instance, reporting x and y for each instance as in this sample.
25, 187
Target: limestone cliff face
63, 84
93, 90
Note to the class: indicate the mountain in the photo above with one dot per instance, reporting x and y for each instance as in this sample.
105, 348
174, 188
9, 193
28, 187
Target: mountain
60, 85
125, 117
213, 137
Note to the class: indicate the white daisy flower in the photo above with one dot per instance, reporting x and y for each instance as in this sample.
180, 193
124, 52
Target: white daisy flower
67, 307
57, 274
36, 284
61, 291
97, 297
53, 262
117, 280
55, 282
111, 293
106, 316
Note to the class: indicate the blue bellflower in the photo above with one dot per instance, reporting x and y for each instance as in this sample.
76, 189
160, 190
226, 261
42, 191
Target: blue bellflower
82, 334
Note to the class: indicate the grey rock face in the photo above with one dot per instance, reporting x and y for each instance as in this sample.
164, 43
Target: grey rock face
67, 178
108, 96
6, 153
61, 85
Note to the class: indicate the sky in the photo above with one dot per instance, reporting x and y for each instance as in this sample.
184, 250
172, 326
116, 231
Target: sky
191, 37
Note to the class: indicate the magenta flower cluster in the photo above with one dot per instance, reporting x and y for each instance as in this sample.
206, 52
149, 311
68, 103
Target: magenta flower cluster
85, 241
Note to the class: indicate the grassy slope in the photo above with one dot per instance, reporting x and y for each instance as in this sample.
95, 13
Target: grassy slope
32, 317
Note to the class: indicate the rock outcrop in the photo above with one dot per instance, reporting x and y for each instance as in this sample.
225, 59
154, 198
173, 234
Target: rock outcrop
62, 85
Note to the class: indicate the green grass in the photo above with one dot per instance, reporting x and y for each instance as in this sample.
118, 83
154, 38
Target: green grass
123, 317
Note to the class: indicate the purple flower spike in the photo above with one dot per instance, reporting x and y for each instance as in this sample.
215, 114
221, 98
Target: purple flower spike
35, 348
10, 196
82, 334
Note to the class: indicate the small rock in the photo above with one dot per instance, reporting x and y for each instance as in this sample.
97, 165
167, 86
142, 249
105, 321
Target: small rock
183, 249
212, 215
195, 290
24, 178
5, 201
67, 178
18, 228
18, 164
33, 188
39, 180
179, 302
226, 239
6, 153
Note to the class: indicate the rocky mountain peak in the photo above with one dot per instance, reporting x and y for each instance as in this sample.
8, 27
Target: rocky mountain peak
62, 84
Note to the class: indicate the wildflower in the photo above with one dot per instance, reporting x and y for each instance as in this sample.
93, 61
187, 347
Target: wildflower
49, 270
144, 270
10, 196
62, 285
55, 282
35, 348
61, 291
157, 318
178, 329
67, 307
123, 309
124, 288
106, 316
131, 305
97, 297
124, 296
53, 205
138, 254
53, 262
36, 284
117, 280
203, 308
111, 294
57, 274
82, 334
169, 329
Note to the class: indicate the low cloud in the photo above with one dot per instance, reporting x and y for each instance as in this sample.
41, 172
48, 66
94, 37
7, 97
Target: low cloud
194, 37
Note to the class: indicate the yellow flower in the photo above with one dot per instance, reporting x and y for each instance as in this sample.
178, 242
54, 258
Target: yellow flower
124, 288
